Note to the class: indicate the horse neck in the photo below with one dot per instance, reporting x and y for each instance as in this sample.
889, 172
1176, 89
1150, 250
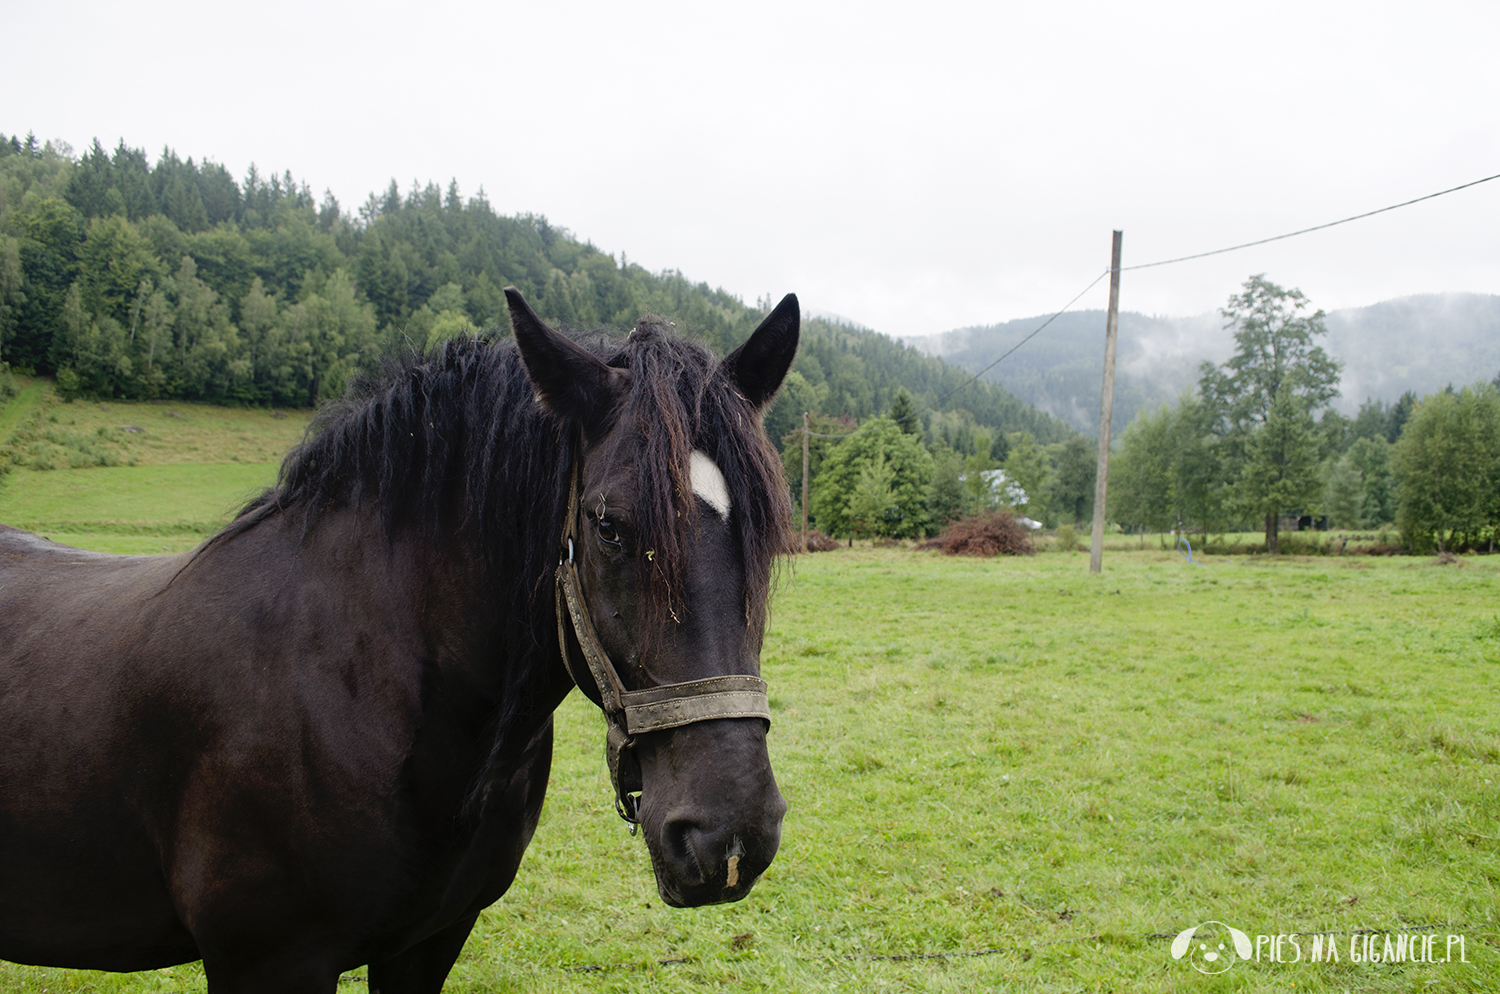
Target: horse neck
415, 595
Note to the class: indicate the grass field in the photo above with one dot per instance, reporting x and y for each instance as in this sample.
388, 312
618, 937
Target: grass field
172, 473
1012, 775
1003, 775
1060, 772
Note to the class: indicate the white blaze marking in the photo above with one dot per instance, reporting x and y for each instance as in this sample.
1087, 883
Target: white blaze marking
708, 483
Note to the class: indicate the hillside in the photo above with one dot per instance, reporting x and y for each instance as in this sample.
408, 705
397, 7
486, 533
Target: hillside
1419, 343
136, 477
129, 279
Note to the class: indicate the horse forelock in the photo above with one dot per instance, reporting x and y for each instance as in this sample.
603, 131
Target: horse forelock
680, 401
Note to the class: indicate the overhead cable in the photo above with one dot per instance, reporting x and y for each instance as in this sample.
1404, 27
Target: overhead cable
1316, 227
1166, 262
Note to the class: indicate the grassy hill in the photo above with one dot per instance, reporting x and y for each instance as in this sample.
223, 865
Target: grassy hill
139, 478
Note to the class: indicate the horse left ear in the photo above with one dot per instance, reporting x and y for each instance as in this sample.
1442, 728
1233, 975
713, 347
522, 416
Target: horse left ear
571, 382
759, 366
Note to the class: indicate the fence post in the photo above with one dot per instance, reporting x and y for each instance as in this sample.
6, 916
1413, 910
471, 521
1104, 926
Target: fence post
805, 430
1106, 405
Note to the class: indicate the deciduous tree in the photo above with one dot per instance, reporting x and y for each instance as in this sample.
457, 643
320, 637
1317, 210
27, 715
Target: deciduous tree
1073, 483
1447, 465
1276, 380
1027, 467
861, 463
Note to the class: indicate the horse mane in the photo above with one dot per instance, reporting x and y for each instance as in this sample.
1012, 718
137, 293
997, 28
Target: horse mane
454, 439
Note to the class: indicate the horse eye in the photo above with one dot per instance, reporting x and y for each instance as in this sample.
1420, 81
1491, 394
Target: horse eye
607, 532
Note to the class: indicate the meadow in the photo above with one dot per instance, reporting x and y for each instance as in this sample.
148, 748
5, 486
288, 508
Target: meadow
137, 478
1012, 775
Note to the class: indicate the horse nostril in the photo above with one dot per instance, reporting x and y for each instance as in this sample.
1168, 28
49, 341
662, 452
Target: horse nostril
700, 857
679, 840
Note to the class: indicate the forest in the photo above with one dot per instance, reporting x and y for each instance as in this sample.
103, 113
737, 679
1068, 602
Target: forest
124, 277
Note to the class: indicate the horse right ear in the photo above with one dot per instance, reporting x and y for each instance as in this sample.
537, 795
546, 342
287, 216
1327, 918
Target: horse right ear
759, 365
570, 382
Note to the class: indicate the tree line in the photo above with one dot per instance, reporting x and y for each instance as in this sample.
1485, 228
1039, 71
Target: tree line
1256, 442
908, 472
123, 277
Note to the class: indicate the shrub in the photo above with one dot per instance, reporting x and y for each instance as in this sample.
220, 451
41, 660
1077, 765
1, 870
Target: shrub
67, 384
1304, 544
1377, 549
816, 542
993, 533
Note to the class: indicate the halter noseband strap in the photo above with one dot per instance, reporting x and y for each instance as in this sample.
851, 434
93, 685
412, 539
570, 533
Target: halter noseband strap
632, 712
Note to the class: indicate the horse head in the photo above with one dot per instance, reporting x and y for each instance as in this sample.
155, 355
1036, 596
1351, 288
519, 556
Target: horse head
677, 514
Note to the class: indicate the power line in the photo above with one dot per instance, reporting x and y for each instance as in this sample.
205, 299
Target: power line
1167, 262
1316, 227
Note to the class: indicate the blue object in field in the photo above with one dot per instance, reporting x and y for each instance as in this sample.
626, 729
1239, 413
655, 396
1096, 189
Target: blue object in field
1182, 543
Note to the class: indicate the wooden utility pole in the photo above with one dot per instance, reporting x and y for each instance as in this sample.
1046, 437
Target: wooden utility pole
805, 430
1106, 405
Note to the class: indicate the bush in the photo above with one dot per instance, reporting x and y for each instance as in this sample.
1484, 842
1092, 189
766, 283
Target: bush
1377, 549
816, 542
67, 384
63, 448
1067, 539
42, 441
1305, 544
8, 388
993, 533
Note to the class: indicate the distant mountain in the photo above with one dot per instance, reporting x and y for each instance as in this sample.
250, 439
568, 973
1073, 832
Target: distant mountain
1419, 343
1060, 370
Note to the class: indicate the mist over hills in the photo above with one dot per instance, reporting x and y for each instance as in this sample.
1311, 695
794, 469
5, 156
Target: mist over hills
1420, 343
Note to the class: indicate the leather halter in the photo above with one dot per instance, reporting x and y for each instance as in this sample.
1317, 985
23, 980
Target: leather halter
632, 712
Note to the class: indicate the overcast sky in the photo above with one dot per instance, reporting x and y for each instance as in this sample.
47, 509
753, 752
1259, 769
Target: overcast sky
913, 167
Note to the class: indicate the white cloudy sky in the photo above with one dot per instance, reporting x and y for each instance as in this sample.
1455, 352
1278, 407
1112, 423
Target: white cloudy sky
915, 167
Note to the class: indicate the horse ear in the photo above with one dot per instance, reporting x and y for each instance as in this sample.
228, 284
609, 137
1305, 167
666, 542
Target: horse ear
759, 366
570, 382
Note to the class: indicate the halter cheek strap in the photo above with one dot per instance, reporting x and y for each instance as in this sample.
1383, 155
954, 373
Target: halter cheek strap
632, 712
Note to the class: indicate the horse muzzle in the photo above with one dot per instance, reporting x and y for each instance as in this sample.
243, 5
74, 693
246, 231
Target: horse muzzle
710, 810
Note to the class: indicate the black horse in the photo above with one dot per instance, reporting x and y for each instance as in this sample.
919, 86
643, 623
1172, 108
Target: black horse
321, 740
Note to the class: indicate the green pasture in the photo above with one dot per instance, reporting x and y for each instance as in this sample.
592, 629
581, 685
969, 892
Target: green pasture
1003, 775
107, 508
139, 478
1012, 775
